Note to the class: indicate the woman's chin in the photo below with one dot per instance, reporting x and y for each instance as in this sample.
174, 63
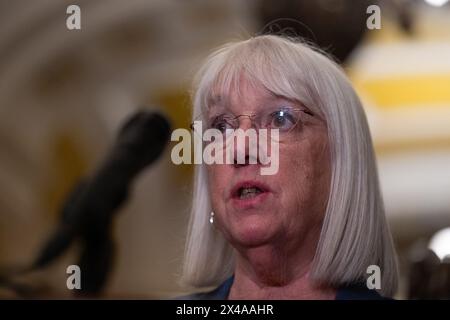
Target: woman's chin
253, 233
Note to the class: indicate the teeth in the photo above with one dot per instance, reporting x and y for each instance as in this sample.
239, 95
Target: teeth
248, 192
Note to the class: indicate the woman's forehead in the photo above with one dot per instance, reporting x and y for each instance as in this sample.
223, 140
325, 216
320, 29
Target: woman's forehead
244, 97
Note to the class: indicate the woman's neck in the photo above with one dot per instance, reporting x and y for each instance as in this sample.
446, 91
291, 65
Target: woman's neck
266, 273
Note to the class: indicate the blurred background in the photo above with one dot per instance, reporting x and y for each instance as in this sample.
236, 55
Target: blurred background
64, 95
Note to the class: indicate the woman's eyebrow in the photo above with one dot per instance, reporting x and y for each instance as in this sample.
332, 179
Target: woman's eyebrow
277, 101
294, 102
216, 100
274, 99
214, 108
217, 103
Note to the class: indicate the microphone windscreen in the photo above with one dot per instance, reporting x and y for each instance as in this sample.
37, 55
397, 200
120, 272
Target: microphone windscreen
144, 136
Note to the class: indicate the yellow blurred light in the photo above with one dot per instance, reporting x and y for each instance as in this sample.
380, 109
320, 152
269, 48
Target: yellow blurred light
407, 90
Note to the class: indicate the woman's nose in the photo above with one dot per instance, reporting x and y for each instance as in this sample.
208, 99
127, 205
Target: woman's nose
245, 122
245, 144
241, 156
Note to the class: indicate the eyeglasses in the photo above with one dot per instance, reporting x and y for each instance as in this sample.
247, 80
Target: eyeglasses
285, 119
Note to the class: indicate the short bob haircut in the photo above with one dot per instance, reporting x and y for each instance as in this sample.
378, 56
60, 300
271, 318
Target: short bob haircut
355, 233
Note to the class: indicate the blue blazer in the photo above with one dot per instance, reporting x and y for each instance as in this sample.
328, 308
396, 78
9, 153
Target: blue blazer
350, 292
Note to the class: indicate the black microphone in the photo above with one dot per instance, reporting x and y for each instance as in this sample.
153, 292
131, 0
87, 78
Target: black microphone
89, 209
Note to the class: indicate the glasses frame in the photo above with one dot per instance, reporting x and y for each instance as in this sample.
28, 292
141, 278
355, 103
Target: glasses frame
253, 116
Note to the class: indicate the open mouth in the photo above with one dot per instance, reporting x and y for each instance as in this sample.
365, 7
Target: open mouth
248, 190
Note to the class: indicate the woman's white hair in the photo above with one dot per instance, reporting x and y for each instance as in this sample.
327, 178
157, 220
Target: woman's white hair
355, 233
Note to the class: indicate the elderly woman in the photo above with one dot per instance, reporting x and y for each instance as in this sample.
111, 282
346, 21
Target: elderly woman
311, 230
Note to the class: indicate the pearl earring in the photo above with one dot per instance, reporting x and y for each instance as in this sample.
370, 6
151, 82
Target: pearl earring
211, 218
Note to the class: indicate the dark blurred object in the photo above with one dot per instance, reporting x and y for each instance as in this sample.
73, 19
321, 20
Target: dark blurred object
89, 210
445, 271
444, 288
404, 12
428, 278
337, 26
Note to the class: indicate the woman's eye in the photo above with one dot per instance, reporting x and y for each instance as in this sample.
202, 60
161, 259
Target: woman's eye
221, 124
282, 120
